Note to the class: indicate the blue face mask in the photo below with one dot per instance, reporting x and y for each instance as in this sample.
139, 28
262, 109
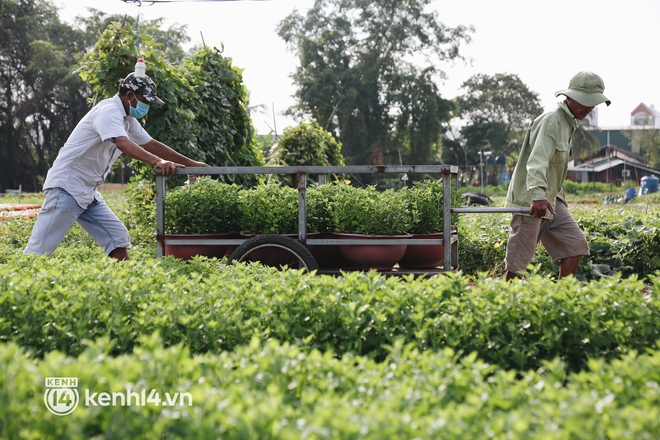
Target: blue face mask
140, 111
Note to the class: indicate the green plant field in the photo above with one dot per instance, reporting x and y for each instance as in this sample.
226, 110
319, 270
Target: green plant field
266, 390
57, 304
285, 354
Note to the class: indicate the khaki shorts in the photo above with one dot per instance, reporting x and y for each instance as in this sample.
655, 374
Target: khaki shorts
561, 236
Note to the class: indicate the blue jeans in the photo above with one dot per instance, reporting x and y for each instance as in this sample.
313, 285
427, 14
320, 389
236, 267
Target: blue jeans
57, 215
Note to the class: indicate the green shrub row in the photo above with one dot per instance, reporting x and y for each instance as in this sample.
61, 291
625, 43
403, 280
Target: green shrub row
270, 390
51, 304
209, 206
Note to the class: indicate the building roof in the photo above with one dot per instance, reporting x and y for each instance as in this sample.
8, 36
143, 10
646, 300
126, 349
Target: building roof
642, 108
607, 150
604, 164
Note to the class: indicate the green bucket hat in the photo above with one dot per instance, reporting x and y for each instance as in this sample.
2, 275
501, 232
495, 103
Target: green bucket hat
586, 88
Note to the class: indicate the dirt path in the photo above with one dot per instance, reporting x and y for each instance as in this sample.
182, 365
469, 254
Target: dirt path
8, 211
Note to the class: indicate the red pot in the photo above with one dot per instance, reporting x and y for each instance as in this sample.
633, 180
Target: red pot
327, 256
187, 251
379, 256
420, 256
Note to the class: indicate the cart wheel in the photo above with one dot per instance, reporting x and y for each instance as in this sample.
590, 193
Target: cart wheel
275, 250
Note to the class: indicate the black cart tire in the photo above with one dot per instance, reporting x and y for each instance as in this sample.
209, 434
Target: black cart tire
275, 250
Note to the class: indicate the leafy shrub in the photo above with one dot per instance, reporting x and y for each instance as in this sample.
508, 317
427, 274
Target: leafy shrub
583, 188
205, 207
367, 211
57, 303
320, 198
628, 245
482, 240
426, 205
272, 390
269, 209
306, 144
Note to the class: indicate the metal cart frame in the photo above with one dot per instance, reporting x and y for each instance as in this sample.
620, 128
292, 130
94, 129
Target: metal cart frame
450, 260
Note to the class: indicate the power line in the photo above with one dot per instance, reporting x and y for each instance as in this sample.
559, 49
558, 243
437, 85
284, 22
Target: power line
151, 2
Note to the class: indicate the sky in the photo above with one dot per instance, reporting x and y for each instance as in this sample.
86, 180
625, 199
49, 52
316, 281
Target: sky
544, 43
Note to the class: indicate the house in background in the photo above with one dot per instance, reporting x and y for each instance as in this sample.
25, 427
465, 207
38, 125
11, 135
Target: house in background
617, 161
645, 116
612, 164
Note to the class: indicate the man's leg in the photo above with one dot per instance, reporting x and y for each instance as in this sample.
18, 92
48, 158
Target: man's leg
565, 241
569, 266
120, 254
56, 217
106, 229
521, 245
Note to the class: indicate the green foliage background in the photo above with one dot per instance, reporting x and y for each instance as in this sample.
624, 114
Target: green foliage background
360, 74
205, 116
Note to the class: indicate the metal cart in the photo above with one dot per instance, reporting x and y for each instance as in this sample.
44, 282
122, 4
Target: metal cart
297, 250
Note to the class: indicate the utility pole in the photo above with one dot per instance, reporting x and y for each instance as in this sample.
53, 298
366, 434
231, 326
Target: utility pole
481, 165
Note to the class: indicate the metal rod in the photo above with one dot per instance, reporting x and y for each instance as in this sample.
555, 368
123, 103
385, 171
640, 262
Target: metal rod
322, 169
205, 241
302, 206
446, 218
160, 215
478, 210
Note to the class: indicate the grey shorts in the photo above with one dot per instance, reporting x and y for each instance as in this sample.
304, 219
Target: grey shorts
57, 215
561, 236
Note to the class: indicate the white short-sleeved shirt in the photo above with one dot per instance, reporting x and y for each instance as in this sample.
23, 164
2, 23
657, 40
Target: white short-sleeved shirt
87, 156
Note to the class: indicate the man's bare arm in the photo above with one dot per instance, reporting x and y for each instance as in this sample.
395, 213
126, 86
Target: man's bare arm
130, 148
161, 150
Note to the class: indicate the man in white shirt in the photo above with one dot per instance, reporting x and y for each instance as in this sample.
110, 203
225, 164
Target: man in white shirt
109, 129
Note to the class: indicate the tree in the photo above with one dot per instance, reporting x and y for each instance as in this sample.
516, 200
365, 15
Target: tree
171, 40
306, 144
40, 99
359, 74
647, 138
497, 110
206, 116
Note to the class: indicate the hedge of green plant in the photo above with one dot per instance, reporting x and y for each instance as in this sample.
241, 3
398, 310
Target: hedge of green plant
206, 207
51, 304
209, 206
270, 390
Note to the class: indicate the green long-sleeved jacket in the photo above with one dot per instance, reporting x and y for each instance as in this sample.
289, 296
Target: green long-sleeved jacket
543, 161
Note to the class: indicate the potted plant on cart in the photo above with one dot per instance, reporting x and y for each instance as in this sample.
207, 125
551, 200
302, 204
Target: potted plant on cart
321, 226
426, 205
268, 209
206, 209
366, 214
269, 220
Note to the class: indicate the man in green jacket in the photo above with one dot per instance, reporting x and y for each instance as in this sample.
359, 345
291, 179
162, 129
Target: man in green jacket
537, 182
